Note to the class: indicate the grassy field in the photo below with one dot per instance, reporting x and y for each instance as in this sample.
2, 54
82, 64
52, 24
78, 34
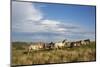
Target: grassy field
75, 54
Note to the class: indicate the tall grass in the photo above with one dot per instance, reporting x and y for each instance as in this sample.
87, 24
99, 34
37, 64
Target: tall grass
75, 54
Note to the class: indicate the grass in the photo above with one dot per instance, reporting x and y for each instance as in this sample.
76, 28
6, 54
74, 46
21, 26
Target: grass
75, 54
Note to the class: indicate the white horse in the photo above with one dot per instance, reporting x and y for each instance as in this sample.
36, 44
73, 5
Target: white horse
60, 44
35, 47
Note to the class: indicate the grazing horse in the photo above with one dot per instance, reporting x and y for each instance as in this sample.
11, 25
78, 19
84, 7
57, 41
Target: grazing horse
60, 44
36, 46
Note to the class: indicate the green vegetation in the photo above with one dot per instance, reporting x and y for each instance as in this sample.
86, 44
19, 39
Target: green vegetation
20, 55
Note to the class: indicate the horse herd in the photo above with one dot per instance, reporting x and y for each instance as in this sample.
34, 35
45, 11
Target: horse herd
57, 45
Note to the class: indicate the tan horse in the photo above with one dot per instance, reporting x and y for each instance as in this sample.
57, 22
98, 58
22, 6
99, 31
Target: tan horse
35, 47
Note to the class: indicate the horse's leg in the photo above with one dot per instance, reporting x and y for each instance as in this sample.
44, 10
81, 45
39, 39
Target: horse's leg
59, 47
28, 51
56, 47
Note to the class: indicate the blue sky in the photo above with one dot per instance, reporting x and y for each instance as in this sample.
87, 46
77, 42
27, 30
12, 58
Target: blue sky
52, 22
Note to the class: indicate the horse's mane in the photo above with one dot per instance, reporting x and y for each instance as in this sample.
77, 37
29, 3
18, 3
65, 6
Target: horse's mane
63, 41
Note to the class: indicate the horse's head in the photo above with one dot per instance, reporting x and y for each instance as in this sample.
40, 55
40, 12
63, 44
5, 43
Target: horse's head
64, 41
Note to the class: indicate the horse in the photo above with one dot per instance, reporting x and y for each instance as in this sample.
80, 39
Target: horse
49, 45
60, 44
75, 44
72, 44
85, 42
36, 46
78, 43
68, 44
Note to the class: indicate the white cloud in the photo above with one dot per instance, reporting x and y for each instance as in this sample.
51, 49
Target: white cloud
52, 25
25, 10
21, 13
50, 22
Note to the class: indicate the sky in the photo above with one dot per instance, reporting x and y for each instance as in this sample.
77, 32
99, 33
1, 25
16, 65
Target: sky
34, 21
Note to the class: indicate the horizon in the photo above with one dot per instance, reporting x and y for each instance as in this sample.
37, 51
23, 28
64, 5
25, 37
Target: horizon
52, 22
49, 41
